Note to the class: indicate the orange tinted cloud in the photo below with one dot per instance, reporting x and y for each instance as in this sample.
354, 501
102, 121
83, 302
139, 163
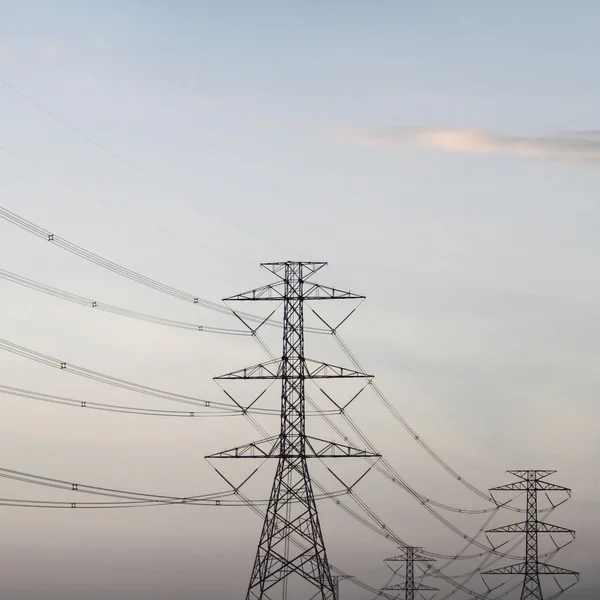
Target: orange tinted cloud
581, 146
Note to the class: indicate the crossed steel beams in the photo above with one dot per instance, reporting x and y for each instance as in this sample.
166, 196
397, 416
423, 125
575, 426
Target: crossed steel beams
292, 511
531, 482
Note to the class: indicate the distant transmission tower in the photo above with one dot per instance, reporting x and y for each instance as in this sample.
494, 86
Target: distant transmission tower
409, 556
291, 541
532, 482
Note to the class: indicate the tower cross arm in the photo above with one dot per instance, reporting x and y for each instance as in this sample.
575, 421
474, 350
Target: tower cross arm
313, 291
545, 569
542, 569
267, 448
312, 369
517, 486
315, 448
417, 587
537, 475
544, 486
320, 370
415, 557
516, 569
320, 448
316, 291
271, 369
308, 268
544, 527
540, 527
512, 528
540, 486
272, 291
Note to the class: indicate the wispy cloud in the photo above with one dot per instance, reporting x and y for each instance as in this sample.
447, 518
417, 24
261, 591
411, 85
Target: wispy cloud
574, 146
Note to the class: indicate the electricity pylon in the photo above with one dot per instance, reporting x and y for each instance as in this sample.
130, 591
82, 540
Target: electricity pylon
291, 541
531, 482
409, 556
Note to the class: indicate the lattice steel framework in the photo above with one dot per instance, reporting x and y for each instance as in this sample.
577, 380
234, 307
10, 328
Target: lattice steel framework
291, 541
532, 482
409, 556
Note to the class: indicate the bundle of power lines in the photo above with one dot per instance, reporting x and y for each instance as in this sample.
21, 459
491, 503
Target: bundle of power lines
474, 548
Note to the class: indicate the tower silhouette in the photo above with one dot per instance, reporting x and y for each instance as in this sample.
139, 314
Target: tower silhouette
531, 482
292, 512
409, 556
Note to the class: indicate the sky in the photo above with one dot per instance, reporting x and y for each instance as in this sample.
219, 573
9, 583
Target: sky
443, 157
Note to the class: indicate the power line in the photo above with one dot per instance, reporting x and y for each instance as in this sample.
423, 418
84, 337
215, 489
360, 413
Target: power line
222, 500
394, 412
97, 376
123, 383
44, 234
114, 408
107, 264
62, 484
412, 431
127, 498
119, 209
131, 166
382, 464
381, 528
111, 308
65, 367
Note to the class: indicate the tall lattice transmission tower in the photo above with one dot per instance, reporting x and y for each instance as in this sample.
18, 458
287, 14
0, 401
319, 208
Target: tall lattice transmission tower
409, 556
532, 482
291, 542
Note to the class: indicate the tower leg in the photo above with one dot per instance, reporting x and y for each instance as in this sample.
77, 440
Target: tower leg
291, 512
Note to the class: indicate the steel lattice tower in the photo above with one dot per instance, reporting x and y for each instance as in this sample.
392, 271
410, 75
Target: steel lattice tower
409, 556
531, 482
291, 541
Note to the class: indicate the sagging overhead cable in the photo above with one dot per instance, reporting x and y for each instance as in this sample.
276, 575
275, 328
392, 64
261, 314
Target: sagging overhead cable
133, 167
62, 484
26, 225
129, 385
111, 308
376, 524
44, 234
125, 498
390, 407
116, 408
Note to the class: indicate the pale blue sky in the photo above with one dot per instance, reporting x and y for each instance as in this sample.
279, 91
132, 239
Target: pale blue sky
444, 157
